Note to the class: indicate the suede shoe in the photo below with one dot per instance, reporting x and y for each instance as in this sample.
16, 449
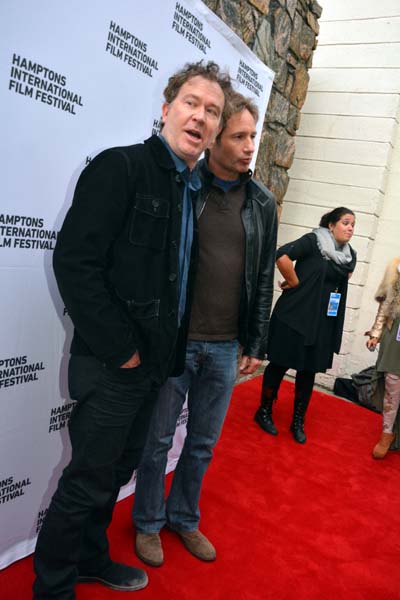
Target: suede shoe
148, 548
197, 544
118, 577
382, 447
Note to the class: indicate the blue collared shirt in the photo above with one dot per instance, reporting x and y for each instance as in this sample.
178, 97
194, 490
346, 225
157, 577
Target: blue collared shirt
191, 183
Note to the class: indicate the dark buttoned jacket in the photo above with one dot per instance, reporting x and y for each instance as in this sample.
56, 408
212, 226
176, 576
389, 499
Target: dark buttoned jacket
116, 258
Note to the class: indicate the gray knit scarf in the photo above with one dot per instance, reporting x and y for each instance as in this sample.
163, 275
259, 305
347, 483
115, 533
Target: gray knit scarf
330, 249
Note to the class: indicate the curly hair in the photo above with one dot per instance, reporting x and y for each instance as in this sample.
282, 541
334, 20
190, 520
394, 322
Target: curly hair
209, 70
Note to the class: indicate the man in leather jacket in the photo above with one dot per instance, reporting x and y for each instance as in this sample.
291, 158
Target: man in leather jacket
231, 305
122, 264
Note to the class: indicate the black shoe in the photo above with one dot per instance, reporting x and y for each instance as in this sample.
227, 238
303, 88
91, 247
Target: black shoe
298, 433
264, 420
118, 577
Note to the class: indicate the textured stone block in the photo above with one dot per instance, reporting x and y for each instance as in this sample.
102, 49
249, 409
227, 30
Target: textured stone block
300, 86
261, 5
282, 31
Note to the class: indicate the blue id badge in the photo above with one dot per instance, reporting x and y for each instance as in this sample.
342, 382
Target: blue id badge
398, 335
333, 306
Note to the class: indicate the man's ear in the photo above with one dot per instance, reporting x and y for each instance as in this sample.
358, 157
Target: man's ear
164, 111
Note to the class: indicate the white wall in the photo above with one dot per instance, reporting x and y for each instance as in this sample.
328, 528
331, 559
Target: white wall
348, 152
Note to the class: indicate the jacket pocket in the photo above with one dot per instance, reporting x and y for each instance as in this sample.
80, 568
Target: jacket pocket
149, 224
143, 310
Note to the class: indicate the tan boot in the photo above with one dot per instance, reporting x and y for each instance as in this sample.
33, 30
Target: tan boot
149, 549
197, 544
382, 447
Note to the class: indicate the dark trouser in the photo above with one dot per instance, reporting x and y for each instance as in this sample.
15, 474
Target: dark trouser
108, 429
272, 380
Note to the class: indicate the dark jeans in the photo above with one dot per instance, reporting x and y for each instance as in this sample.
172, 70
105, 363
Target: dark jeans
108, 429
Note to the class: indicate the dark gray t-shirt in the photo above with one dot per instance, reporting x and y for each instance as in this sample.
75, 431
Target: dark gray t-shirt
215, 306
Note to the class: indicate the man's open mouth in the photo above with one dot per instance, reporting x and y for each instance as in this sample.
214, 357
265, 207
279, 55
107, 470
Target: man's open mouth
193, 133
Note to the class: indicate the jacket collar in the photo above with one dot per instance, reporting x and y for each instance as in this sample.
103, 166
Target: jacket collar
160, 152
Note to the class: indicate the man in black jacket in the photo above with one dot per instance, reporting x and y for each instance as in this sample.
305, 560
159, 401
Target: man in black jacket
122, 264
231, 305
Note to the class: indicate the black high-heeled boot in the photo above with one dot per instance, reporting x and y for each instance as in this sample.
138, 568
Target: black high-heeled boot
302, 393
297, 424
263, 416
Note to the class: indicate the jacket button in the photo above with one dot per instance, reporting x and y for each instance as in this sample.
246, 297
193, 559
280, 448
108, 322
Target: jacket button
155, 204
172, 313
173, 244
172, 277
179, 207
178, 178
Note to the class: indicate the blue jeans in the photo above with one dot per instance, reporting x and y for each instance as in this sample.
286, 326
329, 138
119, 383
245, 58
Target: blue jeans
209, 377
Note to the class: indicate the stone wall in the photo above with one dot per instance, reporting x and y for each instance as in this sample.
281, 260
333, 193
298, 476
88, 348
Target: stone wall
283, 34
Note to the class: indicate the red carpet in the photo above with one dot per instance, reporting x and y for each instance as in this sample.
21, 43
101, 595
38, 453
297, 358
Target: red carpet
290, 522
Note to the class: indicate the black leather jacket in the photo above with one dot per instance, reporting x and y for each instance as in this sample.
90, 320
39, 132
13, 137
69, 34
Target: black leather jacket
116, 257
260, 223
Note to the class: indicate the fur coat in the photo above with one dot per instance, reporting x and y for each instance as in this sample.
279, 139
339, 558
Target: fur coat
388, 296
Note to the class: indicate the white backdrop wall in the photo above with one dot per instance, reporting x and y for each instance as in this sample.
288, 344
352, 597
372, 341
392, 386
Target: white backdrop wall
76, 77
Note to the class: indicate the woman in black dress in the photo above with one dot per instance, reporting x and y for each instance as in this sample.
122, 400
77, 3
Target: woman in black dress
307, 321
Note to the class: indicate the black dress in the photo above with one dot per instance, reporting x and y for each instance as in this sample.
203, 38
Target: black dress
301, 335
